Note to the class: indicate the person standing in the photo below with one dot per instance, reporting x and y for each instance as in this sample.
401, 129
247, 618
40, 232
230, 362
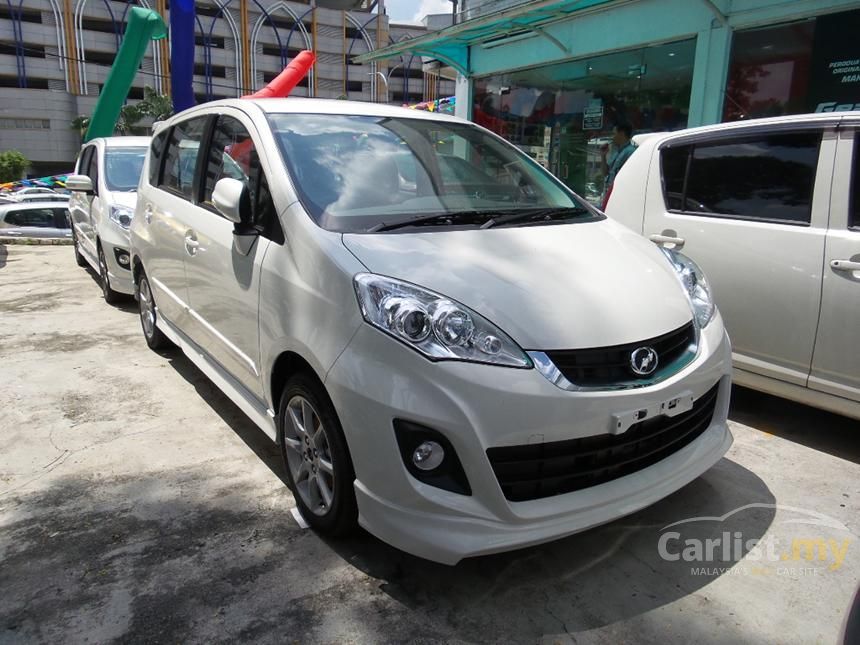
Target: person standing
622, 134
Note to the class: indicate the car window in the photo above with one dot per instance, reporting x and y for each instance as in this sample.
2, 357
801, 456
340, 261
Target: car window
854, 215
84, 164
354, 173
93, 169
156, 150
181, 156
766, 177
123, 167
232, 154
40, 217
61, 218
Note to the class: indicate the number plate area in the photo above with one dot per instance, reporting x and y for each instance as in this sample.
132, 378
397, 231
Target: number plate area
622, 421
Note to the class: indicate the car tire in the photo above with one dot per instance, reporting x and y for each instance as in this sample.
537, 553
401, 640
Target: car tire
155, 338
80, 260
111, 297
319, 468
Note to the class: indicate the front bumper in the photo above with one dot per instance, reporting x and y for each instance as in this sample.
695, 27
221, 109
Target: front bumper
477, 407
120, 275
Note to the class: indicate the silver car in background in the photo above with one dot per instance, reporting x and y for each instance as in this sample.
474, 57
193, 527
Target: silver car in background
104, 194
35, 220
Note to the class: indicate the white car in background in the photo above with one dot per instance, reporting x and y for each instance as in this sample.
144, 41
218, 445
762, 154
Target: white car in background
104, 195
770, 209
42, 220
36, 194
463, 362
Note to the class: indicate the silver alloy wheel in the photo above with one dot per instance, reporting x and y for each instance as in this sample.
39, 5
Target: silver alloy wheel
309, 455
147, 308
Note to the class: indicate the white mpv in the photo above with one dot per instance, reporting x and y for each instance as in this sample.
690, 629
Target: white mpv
770, 208
450, 348
103, 197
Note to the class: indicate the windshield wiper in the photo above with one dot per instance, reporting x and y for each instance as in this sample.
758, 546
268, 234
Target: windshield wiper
441, 218
543, 214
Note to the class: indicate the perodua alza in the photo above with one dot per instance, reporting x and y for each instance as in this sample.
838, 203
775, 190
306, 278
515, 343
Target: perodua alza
451, 348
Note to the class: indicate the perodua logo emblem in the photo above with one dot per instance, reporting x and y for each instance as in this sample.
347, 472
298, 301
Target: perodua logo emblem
643, 361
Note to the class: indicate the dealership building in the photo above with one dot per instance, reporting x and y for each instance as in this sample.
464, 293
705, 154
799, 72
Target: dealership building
555, 76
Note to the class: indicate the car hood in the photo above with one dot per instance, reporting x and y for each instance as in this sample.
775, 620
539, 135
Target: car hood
567, 286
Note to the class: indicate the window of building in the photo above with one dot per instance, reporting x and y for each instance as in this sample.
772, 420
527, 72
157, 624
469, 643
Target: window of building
8, 80
268, 77
103, 25
214, 41
762, 177
180, 160
25, 15
31, 51
24, 124
274, 50
99, 57
216, 71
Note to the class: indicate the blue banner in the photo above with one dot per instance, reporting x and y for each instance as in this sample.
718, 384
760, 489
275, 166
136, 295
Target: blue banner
182, 54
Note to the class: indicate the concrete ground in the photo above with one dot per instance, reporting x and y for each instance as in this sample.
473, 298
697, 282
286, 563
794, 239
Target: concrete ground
137, 504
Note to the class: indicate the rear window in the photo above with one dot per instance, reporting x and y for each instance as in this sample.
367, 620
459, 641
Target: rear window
39, 217
765, 177
180, 157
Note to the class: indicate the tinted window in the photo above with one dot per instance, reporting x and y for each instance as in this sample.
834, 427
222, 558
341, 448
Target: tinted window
84, 163
766, 177
233, 154
123, 167
41, 217
93, 171
854, 216
181, 156
61, 218
155, 155
674, 163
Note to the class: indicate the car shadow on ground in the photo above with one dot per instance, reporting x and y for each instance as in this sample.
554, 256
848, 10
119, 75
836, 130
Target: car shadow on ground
126, 304
4, 253
581, 582
810, 427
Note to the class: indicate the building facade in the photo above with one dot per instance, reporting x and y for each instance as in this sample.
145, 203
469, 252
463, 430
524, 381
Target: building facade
55, 56
555, 76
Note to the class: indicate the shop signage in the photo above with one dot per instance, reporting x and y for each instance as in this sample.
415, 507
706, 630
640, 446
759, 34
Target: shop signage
592, 116
835, 73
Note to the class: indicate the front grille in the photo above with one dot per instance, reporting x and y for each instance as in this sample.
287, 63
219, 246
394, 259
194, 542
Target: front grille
604, 366
541, 470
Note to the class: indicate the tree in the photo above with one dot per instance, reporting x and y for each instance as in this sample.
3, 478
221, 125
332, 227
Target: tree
155, 105
12, 165
81, 124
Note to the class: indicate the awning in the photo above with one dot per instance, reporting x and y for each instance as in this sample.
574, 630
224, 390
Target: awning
451, 45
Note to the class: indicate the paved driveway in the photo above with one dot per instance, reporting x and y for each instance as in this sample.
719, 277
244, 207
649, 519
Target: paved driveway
138, 504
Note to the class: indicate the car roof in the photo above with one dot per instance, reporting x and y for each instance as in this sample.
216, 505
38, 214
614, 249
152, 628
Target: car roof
17, 206
297, 105
125, 142
781, 122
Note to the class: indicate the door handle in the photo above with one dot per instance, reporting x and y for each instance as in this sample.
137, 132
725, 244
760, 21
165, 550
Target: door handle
191, 243
844, 265
667, 239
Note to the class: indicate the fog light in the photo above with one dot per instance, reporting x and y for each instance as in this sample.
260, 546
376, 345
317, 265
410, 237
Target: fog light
123, 260
428, 455
122, 257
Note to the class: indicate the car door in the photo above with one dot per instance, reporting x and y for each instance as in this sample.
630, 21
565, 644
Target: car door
79, 203
223, 280
164, 211
751, 208
836, 361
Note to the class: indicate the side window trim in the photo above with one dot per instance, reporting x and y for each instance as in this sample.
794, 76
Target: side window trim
166, 133
196, 174
854, 187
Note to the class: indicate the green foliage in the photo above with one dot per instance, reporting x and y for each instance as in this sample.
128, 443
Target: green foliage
12, 165
154, 105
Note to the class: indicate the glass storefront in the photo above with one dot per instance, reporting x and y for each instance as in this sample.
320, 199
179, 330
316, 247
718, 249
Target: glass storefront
806, 66
563, 114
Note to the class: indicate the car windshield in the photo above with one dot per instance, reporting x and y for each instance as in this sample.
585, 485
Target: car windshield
369, 173
123, 167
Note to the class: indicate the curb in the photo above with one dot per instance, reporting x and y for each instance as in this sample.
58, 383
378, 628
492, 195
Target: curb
37, 241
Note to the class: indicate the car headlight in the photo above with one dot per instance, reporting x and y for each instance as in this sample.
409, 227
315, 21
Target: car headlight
121, 215
695, 284
436, 326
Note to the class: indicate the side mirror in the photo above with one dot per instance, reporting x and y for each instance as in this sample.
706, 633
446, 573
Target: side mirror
79, 184
232, 200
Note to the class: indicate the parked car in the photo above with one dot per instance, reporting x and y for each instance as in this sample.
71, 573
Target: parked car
459, 371
44, 220
104, 194
769, 209
28, 195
